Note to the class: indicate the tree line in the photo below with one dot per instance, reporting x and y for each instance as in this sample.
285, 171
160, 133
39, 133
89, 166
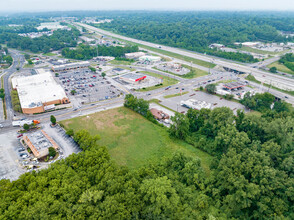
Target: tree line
251, 176
58, 40
197, 30
86, 52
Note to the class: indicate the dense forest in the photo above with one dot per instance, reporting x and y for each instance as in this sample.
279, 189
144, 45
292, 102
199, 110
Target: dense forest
86, 52
250, 178
19, 24
60, 39
197, 30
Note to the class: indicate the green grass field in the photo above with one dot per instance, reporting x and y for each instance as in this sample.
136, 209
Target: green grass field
280, 67
253, 50
28, 65
132, 140
194, 72
120, 62
49, 54
167, 81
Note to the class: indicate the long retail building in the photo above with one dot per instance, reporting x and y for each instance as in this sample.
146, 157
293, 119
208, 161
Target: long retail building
38, 93
70, 66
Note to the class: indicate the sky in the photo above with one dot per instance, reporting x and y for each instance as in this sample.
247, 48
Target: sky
68, 5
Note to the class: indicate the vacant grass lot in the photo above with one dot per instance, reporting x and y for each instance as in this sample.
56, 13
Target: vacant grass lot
121, 62
254, 50
167, 81
280, 67
131, 139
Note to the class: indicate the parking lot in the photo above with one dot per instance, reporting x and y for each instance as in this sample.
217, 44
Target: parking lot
86, 86
66, 143
10, 161
174, 103
16, 160
173, 68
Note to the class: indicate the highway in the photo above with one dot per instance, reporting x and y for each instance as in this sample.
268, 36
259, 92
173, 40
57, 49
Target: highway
265, 77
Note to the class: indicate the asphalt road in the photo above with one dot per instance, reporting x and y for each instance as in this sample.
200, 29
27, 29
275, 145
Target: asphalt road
18, 62
276, 80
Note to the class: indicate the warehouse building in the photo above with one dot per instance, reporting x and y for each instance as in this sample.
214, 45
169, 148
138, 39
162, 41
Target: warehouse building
195, 104
132, 78
135, 55
70, 66
151, 59
38, 93
119, 71
39, 142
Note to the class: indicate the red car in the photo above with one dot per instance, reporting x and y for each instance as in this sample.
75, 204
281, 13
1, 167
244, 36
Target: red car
20, 135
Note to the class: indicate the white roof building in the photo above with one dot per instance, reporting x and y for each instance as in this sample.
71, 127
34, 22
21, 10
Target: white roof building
150, 58
51, 26
37, 90
134, 55
69, 66
87, 39
195, 104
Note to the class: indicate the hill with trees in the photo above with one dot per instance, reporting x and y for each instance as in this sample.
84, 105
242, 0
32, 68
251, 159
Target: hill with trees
58, 40
197, 30
251, 176
86, 52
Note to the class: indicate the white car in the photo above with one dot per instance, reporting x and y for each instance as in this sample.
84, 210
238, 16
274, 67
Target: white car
1, 126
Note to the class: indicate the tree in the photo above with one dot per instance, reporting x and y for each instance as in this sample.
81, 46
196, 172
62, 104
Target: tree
30, 62
52, 152
273, 69
27, 56
159, 196
93, 69
26, 127
70, 132
103, 75
73, 92
2, 95
180, 126
56, 74
210, 88
53, 119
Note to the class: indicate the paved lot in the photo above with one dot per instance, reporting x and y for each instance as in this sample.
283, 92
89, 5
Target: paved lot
174, 103
170, 68
89, 87
10, 161
66, 143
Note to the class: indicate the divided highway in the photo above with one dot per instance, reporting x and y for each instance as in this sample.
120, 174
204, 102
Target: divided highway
265, 77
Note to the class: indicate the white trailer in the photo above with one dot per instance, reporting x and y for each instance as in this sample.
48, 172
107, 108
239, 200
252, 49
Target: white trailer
21, 123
